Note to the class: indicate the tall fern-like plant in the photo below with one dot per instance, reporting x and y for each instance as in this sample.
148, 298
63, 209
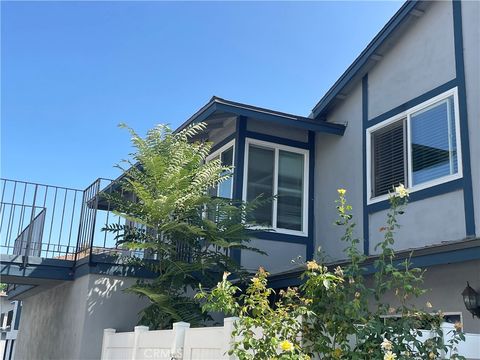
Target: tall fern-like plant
164, 198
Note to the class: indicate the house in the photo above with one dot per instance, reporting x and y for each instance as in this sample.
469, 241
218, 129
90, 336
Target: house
406, 111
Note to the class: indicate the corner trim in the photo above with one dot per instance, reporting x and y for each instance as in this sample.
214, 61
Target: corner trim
239, 159
366, 240
462, 104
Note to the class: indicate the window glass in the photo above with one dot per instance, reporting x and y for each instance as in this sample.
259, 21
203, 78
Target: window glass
290, 190
433, 142
260, 181
388, 158
225, 187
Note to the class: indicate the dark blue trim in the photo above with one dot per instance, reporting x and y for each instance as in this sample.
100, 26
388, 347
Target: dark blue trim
413, 102
241, 129
13, 270
354, 69
421, 194
366, 233
111, 266
277, 140
462, 105
281, 237
440, 258
421, 261
311, 195
223, 142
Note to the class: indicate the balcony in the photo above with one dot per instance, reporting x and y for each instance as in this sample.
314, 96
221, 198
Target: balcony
51, 233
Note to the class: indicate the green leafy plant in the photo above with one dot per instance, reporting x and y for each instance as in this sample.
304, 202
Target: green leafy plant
181, 232
342, 310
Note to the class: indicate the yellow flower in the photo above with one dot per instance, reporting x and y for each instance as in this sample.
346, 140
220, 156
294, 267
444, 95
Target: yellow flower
256, 281
286, 345
389, 356
400, 191
386, 345
337, 353
392, 310
226, 275
431, 355
429, 304
312, 265
458, 326
341, 192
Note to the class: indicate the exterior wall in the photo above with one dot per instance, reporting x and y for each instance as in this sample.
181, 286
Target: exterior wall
425, 222
278, 259
471, 52
445, 284
420, 60
339, 165
277, 130
398, 78
67, 321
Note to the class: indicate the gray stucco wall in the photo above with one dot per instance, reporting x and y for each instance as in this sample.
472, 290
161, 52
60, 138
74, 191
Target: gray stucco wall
277, 130
471, 52
444, 285
420, 60
278, 259
67, 321
338, 164
426, 222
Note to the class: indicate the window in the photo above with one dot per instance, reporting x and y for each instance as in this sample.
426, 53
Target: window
281, 171
225, 154
418, 148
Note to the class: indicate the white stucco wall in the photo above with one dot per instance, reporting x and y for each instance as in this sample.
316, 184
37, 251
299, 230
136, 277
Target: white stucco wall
67, 321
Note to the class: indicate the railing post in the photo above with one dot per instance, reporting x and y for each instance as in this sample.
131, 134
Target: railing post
138, 331
228, 327
179, 330
447, 337
106, 342
30, 230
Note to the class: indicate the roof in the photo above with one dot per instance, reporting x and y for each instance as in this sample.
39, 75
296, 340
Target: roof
359, 65
219, 105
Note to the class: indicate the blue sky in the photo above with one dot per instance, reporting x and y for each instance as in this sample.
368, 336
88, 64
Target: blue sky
72, 71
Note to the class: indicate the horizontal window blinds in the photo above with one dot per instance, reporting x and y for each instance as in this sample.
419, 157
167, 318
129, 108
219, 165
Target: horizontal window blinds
388, 145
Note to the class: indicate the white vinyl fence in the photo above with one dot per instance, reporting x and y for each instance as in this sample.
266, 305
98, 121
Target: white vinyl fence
210, 343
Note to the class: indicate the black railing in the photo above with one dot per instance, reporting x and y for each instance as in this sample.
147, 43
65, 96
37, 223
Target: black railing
56, 222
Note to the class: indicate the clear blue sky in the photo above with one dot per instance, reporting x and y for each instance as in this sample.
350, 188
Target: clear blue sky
71, 71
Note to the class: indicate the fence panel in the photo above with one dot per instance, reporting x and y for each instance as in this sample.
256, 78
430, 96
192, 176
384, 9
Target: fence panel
213, 343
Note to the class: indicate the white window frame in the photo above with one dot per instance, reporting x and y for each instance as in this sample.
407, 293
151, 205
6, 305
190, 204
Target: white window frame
219, 152
407, 115
277, 147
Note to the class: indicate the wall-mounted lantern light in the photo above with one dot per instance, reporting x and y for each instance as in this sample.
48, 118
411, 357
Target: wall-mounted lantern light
472, 300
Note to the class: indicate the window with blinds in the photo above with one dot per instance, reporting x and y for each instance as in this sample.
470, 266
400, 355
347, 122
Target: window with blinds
420, 149
388, 158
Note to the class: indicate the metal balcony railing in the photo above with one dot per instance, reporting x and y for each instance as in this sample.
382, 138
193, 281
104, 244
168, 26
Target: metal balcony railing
56, 222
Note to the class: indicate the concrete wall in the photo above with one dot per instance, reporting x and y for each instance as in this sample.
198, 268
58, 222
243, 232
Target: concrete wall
338, 164
471, 53
67, 321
